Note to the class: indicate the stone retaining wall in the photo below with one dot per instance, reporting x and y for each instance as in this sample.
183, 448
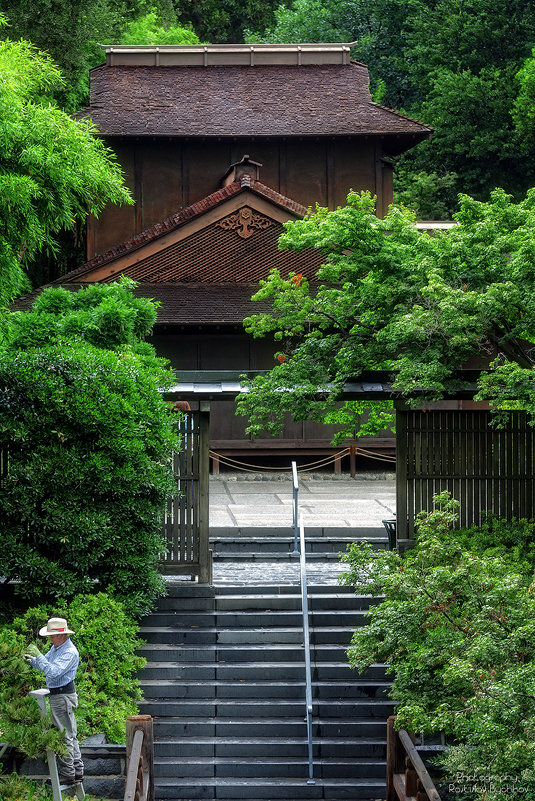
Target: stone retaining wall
105, 768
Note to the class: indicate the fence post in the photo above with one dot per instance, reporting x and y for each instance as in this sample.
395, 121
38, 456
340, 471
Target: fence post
143, 723
205, 556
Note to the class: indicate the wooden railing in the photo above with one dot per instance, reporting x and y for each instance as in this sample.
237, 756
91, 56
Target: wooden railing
407, 778
139, 759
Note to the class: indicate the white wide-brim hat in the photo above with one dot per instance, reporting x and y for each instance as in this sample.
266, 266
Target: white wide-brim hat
56, 625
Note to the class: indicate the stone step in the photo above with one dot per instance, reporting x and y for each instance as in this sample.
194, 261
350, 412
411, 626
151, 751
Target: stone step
234, 670
285, 589
266, 688
254, 618
355, 534
283, 545
243, 636
335, 598
277, 789
261, 767
257, 709
252, 555
345, 728
167, 705
272, 747
159, 654
252, 671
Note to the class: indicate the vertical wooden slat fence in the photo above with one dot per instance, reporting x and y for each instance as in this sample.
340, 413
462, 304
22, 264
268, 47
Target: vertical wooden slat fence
185, 526
484, 468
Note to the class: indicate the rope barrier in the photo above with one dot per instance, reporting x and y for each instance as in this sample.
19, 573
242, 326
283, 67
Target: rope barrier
237, 464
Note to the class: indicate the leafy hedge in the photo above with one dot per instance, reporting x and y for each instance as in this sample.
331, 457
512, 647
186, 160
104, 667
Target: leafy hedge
90, 439
108, 690
456, 628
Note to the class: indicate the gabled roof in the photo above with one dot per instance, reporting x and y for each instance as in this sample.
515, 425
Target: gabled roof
258, 100
229, 236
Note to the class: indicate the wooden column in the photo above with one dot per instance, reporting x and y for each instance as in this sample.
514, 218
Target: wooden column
144, 724
205, 555
401, 474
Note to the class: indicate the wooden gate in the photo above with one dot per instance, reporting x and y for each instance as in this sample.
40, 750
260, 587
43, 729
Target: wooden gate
186, 517
484, 468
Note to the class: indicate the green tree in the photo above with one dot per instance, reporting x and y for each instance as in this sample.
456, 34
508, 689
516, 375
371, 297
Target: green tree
455, 625
149, 30
53, 170
394, 298
70, 34
224, 21
451, 64
89, 441
524, 110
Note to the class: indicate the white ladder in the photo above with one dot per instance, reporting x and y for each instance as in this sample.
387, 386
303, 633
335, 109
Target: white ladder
57, 788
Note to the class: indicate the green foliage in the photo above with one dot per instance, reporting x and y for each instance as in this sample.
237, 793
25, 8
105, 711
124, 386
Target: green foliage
53, 170
456, 628
89, 440
147, 30
524, 109
20, 721
71, 32
449, 64
17, 788
224, 21
429, 195
106, 638
395, 298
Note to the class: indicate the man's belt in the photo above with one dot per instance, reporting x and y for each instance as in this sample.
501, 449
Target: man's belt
67, 688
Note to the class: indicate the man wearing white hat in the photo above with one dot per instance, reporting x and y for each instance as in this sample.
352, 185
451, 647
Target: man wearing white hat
59, 665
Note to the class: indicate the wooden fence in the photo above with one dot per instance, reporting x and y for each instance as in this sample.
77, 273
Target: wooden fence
185, 525
484, 468
407, 778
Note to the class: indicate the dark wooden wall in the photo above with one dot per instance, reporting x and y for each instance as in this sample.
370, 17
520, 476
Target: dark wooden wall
238, 351
166, 175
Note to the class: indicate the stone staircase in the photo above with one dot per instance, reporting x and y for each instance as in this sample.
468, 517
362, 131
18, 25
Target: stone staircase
267, 544
224, 682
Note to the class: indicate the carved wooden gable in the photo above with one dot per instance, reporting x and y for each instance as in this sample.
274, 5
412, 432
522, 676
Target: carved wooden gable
232, 241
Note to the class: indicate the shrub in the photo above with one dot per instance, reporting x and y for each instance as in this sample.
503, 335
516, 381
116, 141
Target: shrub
90, 439
16, 788
456, 628
106, 638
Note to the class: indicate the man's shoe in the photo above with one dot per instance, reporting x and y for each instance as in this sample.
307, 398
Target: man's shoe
79, 777
67, 779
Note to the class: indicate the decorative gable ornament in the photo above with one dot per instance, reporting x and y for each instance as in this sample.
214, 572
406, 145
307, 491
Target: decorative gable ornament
245, 222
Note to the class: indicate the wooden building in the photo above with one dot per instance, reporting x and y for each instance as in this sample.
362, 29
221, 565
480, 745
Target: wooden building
220, 146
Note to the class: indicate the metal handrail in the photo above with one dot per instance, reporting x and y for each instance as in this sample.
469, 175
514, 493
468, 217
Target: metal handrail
300, 551
295, 504
306, 644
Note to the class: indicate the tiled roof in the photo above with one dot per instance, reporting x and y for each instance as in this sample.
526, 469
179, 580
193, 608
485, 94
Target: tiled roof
203, 304
184, 216
274, 100
184, 304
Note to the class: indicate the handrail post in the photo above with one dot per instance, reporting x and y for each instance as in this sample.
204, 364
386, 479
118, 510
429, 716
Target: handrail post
136, 724
295, 496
